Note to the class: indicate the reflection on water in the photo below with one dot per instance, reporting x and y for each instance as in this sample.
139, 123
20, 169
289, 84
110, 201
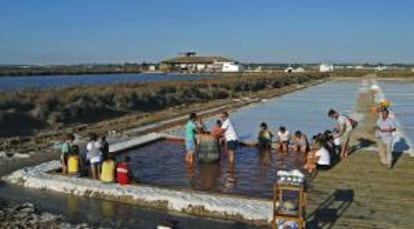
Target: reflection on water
162, 163
72, 204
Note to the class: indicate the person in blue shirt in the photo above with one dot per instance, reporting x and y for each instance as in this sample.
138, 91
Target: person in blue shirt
190, 138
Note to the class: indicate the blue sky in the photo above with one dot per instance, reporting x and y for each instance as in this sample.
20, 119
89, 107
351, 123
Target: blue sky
103, 31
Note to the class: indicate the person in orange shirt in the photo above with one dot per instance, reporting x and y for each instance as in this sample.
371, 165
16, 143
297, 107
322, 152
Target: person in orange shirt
218, 132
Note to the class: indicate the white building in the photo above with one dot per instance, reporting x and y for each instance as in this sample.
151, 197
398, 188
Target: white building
299, 70
326, 68
189, 62
290, 69
152, 68
231, 67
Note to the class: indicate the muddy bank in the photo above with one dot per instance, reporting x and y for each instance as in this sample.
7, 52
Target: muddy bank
41, 109
26, 215
43, 138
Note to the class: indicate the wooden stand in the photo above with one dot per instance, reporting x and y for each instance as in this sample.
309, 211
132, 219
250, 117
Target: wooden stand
280, 193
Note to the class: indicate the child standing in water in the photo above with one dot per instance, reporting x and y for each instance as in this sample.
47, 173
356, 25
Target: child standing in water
284, 138
264, 137
217, 132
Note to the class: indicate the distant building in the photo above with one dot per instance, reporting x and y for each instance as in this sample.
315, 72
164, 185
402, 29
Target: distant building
380, 68
232, 67
326, 68
189, 62
299, 70
152, 68
290, 69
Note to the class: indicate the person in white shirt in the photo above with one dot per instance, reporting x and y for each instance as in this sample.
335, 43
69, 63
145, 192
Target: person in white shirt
344, 131
284, 138
385, 127
322, 157
230, 136
94, 155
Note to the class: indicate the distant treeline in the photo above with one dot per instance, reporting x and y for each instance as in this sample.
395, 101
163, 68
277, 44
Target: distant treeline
24, 111
71, 69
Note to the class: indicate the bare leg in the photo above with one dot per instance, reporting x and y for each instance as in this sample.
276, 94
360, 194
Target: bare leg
285, 148
303, 149
346, 149
98, 171
93, 170
189, 157
231, 156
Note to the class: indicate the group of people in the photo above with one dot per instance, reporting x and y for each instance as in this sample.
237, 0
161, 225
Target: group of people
327, 147
318, 156
97, 161
299, 140
224, 131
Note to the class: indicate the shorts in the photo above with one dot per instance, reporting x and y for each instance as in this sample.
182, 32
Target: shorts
232, 145
190, 145
323, 167
95, 160
345, 137
285, 142
300, 143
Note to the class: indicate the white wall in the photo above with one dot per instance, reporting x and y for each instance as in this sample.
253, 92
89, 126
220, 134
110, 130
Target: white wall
326, 68
232, 67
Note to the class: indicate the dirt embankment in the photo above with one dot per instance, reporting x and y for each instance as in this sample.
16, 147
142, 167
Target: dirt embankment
26, 113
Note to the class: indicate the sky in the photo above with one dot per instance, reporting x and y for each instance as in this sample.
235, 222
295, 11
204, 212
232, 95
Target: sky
272, 31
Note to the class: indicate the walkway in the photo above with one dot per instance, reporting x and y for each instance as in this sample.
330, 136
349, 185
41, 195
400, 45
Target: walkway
359, 192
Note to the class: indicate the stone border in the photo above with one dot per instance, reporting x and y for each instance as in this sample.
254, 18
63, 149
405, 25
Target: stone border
222, 206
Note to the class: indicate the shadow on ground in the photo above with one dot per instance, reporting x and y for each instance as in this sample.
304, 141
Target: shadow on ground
399, 147
331, 209
362, 143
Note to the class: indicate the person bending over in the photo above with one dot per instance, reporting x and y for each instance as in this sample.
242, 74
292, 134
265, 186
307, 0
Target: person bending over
300, 142
344, 131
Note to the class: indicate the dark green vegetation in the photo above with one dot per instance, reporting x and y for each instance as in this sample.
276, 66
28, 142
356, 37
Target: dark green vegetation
23, 112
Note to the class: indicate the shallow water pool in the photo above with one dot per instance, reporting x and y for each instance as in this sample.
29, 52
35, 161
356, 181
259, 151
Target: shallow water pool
162, 164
